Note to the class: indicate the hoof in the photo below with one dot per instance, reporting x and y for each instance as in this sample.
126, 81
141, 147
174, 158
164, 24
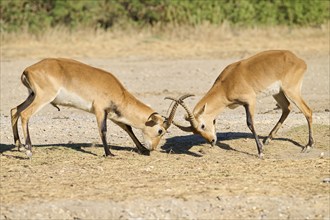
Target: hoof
145, 152
20, 146
29, 154
109, 155
326, 180
267, 141
306, 149
261, 156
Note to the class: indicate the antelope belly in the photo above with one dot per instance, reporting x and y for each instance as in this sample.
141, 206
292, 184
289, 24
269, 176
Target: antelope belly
68, 98
272, 89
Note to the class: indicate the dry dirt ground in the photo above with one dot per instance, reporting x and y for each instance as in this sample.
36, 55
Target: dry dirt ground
68, 177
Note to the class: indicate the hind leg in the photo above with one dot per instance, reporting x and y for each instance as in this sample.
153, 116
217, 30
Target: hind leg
37, 103
284, 103
295, 96
15, 114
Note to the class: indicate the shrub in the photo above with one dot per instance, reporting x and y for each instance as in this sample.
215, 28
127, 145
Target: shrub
35, 15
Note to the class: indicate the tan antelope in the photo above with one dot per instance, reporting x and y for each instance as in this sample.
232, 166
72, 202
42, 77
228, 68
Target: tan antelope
277, 72
71, 83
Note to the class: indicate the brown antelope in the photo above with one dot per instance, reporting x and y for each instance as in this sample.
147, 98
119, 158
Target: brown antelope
71, 83
277, 72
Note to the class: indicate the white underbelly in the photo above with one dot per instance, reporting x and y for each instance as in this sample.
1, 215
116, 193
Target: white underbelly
270, 90
68, 98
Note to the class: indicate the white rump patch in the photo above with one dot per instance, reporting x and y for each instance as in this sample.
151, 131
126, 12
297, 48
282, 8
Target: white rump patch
270, 90
67, 98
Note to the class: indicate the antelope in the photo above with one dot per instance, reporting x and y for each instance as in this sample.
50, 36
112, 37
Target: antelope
277, 72
71, 83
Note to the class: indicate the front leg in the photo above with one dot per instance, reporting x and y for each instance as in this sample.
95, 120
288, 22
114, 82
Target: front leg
141, 149
101, 117
249, 109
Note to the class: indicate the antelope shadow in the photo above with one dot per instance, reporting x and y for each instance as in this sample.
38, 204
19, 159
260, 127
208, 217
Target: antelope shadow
80, 147
175, 145
182, 144
237, 135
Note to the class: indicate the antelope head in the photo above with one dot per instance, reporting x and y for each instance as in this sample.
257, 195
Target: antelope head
157, 125
200, 122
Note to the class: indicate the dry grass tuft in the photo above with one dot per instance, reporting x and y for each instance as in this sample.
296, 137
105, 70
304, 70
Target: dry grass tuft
205, 41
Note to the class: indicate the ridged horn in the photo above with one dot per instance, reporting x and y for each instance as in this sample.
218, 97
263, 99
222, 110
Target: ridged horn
183, 128
170, 118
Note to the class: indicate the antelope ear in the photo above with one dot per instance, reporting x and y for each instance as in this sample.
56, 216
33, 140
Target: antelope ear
201, 111
155, 118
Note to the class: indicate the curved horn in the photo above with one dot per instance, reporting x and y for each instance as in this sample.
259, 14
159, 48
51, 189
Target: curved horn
183, 128
191, 116
169, 120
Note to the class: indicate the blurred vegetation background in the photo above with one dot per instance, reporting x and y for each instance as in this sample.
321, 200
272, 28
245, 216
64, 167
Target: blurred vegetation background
37, 15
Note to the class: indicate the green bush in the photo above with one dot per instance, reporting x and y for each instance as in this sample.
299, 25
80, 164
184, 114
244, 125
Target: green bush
36, 15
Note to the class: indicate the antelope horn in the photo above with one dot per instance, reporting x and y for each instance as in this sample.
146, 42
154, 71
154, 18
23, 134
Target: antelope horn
183, 128
169, 120
191, 116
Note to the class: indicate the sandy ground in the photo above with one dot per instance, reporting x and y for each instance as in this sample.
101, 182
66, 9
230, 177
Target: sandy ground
68, 177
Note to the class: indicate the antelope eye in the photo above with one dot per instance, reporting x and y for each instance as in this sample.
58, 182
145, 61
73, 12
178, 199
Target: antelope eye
214, 122
160, 131
203, 126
